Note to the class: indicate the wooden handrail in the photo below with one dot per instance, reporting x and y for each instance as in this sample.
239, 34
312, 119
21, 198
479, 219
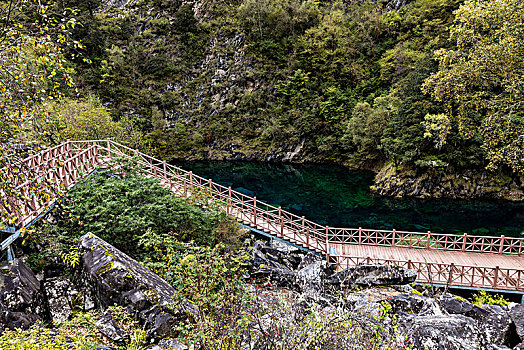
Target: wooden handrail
75, 156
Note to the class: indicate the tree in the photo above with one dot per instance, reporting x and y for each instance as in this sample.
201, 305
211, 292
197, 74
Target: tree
33, 71
482, 80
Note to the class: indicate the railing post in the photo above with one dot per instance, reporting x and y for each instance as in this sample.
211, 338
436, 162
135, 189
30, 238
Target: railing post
428, 240
281, 221
228, 205
109, 149
327, 240
307, 237
464, 238
520, 247
255, 211
359, 235
496, 277
185, 188
190, 178
393, 239
501, 248
210, 188
165, 169
303, 225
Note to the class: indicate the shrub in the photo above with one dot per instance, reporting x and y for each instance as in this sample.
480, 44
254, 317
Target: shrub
483, 298
121, 207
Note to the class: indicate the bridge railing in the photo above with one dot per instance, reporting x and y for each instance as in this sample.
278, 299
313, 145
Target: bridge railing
298, 229
429, 240
447, 274
39, 179
272, 219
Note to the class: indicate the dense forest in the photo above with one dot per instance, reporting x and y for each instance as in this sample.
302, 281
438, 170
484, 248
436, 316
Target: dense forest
424, 85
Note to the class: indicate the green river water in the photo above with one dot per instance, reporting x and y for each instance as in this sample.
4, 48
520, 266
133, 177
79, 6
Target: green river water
341, 198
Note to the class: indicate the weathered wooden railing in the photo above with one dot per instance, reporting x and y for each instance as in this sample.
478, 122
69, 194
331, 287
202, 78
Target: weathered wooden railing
448, 273
65, 164
40, 179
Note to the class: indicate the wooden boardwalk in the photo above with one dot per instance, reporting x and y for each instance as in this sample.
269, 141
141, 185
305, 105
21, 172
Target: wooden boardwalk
457, 260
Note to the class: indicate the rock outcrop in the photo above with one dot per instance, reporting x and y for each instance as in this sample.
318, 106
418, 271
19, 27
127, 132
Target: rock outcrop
21, 301
445, 183
107, 276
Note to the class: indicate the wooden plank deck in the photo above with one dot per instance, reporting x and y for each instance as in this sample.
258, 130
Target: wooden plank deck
432, 256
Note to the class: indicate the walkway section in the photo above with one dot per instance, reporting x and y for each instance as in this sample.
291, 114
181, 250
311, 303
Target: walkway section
457, 260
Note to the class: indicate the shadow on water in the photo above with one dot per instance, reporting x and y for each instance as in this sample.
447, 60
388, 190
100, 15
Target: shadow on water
341, 198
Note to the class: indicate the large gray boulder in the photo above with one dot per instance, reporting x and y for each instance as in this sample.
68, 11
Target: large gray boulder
58, 294
107, 276
493, 322
373, 275
443, 332
516, 313
21, 302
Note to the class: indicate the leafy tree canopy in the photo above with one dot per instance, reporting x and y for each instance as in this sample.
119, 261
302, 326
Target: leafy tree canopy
482, 79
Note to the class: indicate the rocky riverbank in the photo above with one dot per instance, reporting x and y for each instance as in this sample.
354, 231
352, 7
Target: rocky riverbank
374, 303
401, 181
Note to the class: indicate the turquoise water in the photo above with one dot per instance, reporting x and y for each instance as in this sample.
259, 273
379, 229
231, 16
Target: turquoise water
341, 198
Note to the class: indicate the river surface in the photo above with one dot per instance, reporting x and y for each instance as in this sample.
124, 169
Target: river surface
338, 197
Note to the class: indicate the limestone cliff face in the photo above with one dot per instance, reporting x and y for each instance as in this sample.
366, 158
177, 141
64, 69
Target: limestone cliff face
405, 182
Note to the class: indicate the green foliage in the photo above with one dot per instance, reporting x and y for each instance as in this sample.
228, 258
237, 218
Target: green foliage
483, 298
287, 73
119, 207
79, 333
481, 80
87, 120
34, 47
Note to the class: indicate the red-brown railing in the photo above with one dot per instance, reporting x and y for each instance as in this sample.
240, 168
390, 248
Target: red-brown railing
65, 164
447, 274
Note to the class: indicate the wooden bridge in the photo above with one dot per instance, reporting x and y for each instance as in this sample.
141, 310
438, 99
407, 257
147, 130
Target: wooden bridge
442, 259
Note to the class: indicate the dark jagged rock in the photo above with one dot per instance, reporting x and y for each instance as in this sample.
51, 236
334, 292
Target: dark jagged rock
311, 278
107, 277
110, 329
492, 321
496, 326
373, 275
455, 305
21, 302
409, 303
168, 344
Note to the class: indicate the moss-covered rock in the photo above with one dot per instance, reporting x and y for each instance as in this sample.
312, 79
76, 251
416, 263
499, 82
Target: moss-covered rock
446, 183
108, 277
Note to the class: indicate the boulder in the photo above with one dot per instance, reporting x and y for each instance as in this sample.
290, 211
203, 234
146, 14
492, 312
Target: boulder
496, 327
373, 275
408, 303
110, 329
311, 278
21, 302
516, 313
107, 276
442, 332
453, 304
58, 293
168, 344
